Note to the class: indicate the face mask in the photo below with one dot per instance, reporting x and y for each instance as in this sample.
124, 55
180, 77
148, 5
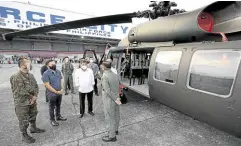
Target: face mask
84, 67
53, 67
91, 61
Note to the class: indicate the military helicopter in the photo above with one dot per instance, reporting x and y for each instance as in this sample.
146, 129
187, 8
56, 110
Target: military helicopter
189, 61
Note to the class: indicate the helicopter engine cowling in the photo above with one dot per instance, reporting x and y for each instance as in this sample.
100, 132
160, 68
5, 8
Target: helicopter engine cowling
206, 23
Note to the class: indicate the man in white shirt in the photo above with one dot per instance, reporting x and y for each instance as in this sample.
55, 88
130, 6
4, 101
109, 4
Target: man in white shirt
84, 79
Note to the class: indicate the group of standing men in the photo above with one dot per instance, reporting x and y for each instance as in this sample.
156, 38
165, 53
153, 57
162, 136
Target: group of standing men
25, 92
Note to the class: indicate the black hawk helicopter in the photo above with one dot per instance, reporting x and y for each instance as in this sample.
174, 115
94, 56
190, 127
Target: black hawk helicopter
189, 61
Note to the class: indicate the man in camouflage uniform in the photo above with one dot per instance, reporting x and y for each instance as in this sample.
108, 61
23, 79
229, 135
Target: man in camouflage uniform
111, 100
25, 91
95, 70
67, 70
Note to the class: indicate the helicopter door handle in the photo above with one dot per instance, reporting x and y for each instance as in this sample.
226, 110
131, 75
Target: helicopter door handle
168, 80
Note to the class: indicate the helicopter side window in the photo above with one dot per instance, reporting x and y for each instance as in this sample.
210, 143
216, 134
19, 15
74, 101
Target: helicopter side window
214, 71
167, 66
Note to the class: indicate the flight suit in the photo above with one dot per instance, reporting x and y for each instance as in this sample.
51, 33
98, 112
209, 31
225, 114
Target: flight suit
24, 86
110, 82
67, 70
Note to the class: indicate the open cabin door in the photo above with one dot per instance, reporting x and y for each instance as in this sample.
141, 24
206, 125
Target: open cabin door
139, 62
133, 68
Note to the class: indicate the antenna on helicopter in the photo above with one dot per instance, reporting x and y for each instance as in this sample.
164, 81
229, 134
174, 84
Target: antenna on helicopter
160, 9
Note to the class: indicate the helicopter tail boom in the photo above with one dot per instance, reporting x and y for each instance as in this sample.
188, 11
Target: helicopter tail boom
204, 23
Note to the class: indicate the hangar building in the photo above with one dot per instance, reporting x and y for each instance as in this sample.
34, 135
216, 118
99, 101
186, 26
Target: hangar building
19, 16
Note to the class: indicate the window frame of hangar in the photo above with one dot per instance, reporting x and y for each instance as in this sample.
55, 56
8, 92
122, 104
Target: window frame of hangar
177, 70
234, 77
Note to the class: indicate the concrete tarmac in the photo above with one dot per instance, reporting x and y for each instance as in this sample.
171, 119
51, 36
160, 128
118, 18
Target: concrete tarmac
144, 122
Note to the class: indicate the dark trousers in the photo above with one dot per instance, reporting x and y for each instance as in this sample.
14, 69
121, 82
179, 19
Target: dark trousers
95, 87
82, 102
54, 105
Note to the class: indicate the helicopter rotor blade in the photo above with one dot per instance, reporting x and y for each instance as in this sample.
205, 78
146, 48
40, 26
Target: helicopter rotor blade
103, 20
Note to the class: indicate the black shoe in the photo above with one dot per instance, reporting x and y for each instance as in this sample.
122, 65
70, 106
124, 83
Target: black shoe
116, 132
81, 115
61, 119
73, 92
108, 139
27, 139
34, 129
91, 113
54, 123
37, 130
97, 94
66, 93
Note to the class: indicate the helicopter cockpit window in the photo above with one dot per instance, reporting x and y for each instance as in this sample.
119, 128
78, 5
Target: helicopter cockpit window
167, 65
214, 71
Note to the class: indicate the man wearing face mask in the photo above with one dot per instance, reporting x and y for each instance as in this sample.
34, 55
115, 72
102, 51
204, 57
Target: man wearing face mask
25, 92
67, 70
95, 70
84, 79
53, 81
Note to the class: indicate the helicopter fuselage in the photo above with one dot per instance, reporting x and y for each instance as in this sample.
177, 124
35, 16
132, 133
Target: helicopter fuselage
189, 62
202, 80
